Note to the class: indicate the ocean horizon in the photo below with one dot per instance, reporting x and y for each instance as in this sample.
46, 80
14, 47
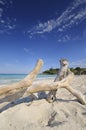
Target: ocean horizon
12, 78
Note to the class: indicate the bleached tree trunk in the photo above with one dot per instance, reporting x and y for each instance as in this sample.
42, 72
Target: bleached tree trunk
27, 82
48, 86
77, 94
23, 84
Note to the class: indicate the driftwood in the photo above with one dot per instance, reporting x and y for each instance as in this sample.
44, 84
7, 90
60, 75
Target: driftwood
41, 86
23, 84
47, 86
64, 71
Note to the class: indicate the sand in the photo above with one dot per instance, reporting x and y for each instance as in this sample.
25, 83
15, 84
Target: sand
66, 113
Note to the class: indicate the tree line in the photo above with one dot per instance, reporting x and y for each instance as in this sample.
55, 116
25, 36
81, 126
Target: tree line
76, 71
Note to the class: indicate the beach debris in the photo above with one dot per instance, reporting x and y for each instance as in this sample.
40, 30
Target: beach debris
29, 87
64, 71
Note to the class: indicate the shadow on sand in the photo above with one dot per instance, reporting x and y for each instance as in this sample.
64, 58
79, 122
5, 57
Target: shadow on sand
16, 99
16, 102
28, 100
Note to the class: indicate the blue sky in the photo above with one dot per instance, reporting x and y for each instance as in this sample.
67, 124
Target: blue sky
47, 29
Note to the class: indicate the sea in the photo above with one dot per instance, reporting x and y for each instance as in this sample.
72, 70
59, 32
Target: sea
12, 78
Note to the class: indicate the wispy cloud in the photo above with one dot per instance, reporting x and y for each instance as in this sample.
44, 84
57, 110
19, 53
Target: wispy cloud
64, 38
1, 11
2, 2
79, 63
28, 51
7, 23
9, 64
70, 17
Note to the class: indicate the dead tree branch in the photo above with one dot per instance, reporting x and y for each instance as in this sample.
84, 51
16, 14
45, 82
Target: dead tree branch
27, 82
48, 86
23, 84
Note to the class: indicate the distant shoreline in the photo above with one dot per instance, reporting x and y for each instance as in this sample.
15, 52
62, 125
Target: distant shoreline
12, 78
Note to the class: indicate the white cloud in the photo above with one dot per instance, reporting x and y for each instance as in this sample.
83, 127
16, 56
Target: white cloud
17, 61
64, 38
2, 2
71, 16
79, 63
1, 11
7, 24
26, 50
9, 64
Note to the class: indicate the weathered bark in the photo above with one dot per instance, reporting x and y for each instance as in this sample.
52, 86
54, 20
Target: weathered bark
77, 94
40, 86
64, 71
47, 86
23, 84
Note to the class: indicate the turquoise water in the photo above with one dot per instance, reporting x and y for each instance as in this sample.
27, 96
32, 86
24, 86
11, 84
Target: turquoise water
12, 78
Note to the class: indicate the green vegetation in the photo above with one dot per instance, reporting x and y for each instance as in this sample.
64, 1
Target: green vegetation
76, 71
51, 71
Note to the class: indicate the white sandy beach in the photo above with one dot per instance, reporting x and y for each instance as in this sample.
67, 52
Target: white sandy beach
66, 113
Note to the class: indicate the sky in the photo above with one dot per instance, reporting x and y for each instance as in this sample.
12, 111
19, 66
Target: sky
46, 29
